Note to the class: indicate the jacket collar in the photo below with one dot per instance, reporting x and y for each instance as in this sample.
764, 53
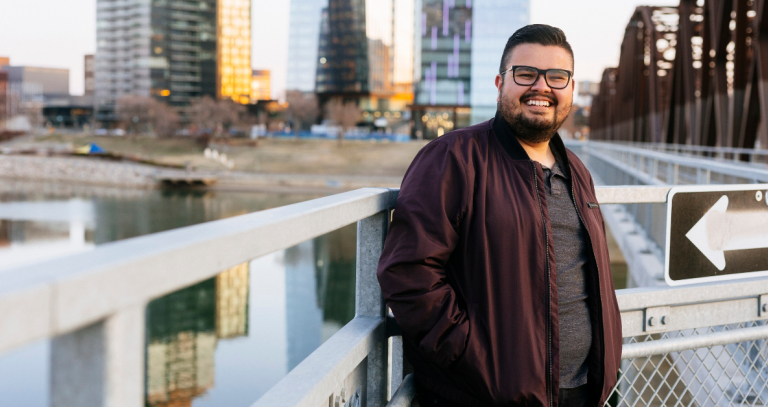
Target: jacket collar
513, 148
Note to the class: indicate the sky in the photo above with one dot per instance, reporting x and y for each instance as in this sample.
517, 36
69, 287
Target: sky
58, 33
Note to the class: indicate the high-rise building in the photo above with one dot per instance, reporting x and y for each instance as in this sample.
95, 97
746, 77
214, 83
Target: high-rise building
303, 37
52, 82
4, 107
233, 49
362, 57
458, 48
88, 75
174, 51
261, 85
3, 96
123, 60
29, 89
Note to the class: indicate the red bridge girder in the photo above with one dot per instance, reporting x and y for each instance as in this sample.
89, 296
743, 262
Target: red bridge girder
696, 74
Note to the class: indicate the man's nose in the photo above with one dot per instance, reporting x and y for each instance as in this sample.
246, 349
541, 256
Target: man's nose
541, 85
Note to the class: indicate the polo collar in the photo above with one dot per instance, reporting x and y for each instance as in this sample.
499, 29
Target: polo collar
516, 151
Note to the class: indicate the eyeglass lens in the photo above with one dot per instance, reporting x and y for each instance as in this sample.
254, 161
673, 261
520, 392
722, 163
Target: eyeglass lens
556, 78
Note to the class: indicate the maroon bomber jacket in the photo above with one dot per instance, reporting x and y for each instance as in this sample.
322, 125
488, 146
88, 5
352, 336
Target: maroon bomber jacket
468, 270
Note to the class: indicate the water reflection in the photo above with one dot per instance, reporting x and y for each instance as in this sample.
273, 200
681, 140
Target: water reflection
34, 231
224, 341
199, 345
182, 332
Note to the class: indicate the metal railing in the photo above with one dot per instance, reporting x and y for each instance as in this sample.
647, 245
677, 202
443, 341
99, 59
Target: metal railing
737, 155
654, 168
640, 228
702, 345
92, 306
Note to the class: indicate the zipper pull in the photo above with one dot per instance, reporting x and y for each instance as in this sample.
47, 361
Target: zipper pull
592, 205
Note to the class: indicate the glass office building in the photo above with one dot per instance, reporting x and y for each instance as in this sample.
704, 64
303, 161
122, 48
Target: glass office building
173, 50
233, 50
365, 54
303, 37
496, 21
182, 58
458, 48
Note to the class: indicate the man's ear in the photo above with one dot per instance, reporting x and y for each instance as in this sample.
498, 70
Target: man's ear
499, 83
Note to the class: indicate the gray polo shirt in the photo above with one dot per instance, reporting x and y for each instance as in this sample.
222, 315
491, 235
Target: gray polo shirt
571, 262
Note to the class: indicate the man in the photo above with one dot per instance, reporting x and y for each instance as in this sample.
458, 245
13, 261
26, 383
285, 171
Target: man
496, 265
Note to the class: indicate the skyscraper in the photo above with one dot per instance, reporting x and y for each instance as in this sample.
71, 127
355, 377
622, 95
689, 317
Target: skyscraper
89, 82
234, 50
458, 49
261, 85
3, 96
363, 58
496, 21
303, 36
173, 50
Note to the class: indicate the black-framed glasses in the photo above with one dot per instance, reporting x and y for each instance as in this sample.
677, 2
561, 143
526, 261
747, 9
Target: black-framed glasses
528, 75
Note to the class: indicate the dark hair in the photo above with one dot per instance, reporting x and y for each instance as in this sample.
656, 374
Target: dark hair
541, 34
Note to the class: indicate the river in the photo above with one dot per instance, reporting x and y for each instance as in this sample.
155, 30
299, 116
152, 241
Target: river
223, 341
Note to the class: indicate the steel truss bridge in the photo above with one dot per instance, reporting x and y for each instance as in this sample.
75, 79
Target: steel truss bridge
696, 75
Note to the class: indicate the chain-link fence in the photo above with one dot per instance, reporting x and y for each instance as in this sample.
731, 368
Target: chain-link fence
725, 375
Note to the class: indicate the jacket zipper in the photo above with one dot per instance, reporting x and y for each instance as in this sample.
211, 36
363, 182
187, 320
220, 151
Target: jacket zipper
599, 289
550, 390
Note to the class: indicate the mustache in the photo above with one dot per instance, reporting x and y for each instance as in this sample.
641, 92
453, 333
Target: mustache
549, 97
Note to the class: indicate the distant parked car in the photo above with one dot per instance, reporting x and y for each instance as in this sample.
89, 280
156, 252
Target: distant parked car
117, 132
100, 132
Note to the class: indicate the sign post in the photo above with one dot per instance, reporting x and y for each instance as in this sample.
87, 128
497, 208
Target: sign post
716, 232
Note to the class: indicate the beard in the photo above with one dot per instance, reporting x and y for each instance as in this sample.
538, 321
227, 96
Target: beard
531, 130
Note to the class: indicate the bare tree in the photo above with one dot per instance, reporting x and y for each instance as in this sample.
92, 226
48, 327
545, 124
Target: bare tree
302, 109
344, 114
216, 116
143, 114
164, 119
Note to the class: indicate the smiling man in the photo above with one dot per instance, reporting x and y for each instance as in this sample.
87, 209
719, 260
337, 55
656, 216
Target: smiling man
496, 265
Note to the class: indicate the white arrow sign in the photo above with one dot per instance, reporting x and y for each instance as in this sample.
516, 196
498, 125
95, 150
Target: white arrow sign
718, 232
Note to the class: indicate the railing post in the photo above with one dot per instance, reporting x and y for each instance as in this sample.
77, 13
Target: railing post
369, 301
101, 364
397, 365
672, 171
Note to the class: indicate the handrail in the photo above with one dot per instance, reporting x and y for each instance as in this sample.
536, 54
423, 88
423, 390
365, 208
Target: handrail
702, 149
54, 297
632, 194
693, 162
405, 393
662, 346
57, 296
307, 384
694, 306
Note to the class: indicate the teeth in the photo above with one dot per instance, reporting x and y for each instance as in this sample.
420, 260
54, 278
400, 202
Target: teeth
537, 103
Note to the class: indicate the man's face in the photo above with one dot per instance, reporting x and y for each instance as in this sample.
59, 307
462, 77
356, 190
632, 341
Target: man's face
535, 122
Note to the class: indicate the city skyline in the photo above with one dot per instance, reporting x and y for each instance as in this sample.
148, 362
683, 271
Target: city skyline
64, 32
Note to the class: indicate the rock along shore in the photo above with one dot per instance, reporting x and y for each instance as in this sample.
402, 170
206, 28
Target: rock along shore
83, 171
95, 171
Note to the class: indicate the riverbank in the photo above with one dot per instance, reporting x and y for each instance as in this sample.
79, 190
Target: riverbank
277, 165
266, 156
